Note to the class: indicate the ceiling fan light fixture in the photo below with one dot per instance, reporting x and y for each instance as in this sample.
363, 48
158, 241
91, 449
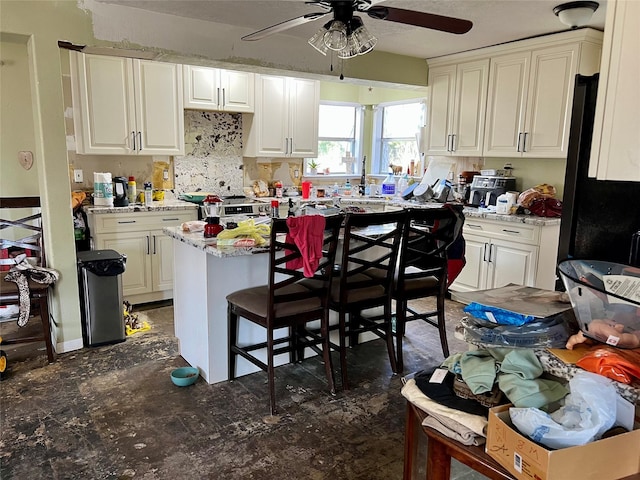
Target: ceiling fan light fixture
576, 14
364, 40
336, 36
317, 41
351, 50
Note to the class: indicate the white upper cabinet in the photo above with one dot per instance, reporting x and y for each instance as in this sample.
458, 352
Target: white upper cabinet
529, 106
531, 94
285, 123
457, 104
208, 88
615, 151
125, 106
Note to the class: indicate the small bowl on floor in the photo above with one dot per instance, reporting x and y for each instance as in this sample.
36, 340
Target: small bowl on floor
185, 376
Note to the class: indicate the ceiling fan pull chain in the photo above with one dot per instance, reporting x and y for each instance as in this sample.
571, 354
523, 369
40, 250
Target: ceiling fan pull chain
341, 69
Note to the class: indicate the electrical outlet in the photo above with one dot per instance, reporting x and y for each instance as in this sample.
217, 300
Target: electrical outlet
77, 176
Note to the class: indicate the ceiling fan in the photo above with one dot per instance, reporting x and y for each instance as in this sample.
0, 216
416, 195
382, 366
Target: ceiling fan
343, 13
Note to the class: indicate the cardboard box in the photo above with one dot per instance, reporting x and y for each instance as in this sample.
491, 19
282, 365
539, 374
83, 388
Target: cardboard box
607, 459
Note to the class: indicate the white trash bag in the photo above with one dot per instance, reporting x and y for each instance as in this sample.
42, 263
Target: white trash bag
588, 412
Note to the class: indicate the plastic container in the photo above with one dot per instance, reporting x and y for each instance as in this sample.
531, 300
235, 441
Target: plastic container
131, 190
389, 186
148, 193
306, 189
502, 204
347, 188
605, 297
275, 208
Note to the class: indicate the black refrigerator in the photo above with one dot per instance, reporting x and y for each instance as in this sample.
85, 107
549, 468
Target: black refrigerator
600, 218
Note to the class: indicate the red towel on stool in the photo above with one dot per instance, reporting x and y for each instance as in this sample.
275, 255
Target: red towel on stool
307, 233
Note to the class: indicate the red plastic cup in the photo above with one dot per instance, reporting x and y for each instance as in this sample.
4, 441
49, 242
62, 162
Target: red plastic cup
306, 188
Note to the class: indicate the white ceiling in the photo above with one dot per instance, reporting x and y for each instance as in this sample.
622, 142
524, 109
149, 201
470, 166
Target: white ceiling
494, 21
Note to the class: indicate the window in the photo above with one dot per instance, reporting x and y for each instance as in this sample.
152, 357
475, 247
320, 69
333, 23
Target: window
395, 134
339, 134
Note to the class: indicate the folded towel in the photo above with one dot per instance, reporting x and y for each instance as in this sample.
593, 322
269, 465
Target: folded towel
475, 423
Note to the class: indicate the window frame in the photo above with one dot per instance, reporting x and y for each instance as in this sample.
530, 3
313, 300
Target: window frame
378, 122
357, 141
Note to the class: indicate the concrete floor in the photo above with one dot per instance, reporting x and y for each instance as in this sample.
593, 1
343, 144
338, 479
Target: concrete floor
112, 412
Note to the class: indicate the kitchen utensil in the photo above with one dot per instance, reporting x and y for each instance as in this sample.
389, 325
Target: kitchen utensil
211, 207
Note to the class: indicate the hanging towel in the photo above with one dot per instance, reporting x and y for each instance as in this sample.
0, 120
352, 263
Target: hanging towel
20, 274
307, 233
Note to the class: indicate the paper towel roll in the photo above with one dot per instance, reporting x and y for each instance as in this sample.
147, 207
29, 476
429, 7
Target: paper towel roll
102, 189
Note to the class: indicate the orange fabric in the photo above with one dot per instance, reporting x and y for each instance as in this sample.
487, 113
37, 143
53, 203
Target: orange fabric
307, 233
611, 365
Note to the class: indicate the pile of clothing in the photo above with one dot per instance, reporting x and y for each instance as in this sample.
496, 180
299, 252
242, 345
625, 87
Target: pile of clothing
457, 394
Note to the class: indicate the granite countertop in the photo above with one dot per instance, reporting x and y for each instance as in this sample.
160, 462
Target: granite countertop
159, 206
208, 245
469, 212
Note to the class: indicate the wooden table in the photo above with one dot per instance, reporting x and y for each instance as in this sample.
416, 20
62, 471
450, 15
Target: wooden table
440, 450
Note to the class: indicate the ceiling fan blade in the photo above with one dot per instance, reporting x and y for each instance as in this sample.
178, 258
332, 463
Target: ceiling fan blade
287, 24
421, 19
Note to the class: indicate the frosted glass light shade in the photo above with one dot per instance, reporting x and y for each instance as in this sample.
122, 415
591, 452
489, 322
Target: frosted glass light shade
576, 14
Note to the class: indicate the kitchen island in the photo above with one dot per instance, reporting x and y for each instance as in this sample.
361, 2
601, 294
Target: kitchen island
204, 275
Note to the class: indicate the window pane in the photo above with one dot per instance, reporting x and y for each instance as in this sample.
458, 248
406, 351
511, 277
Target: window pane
337, 121
401, 120
330, 153
398, 152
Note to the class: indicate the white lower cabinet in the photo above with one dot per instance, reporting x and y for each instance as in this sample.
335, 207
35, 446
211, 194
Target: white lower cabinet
498, 253
148, 275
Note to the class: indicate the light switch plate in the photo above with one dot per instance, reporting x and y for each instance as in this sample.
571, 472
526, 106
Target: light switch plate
26, 159
77, 176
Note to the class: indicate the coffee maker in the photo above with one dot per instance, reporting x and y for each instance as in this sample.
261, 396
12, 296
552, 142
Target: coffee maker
120, 189
488, 189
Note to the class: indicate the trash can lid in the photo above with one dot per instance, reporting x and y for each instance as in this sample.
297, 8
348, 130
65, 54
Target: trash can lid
98, 255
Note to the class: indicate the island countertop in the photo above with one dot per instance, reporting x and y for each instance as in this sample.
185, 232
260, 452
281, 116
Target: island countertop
209, 245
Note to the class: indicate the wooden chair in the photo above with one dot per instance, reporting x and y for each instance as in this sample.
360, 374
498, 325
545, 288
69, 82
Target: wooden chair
12, 242
371, 241
423, 268
285, 303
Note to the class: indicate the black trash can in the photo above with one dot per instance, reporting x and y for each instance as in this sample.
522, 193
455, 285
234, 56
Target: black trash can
100, 281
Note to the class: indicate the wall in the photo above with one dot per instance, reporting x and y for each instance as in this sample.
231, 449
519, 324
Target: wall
16, 119
39, 25
530, 172
217, 44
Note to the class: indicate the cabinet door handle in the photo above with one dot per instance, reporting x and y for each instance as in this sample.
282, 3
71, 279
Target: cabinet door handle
490, 252
484, 253
139, 141
126, 221
224, 99
133, 137
170, 219
519, 140
453, 142
516, 232
473, 225
154, 244
218, 96
524, 143
148, 245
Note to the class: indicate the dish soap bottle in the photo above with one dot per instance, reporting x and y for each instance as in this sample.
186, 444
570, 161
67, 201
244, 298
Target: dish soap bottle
389, 186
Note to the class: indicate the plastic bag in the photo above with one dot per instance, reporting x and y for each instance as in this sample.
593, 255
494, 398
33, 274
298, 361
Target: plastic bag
539, 191
609, 364
589, 411
546, 207
497, 315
